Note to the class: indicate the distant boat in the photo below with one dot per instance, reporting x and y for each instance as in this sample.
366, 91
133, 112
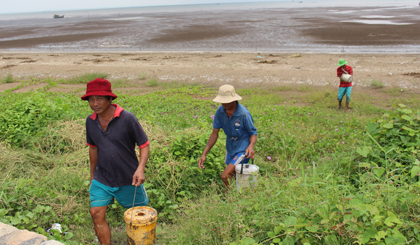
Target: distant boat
56, 16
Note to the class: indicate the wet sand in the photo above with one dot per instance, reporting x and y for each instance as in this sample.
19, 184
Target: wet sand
269, 30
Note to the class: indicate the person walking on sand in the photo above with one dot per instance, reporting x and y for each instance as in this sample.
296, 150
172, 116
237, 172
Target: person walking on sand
238, 125
345, 87
115, 171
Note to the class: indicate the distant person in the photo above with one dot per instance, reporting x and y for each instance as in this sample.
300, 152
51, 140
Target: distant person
345, 87
115, 171
238, 125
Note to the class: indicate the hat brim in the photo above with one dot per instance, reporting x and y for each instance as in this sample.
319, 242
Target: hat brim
86, 96
226, 99
341, 64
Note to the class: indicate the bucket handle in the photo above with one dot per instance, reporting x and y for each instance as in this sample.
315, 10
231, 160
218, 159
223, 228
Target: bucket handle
242, 164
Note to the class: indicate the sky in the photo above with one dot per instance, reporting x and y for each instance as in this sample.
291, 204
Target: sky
22, 6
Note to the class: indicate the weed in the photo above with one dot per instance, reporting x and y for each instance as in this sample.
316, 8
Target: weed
120, 83
143, 76
9, 79
393, 91
153, 82
87, 77
376, 84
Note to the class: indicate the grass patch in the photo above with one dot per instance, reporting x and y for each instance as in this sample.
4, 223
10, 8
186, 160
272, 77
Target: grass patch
376, 84
143, 76
393, 91
85, 78
9, 79
314, 187
153, 82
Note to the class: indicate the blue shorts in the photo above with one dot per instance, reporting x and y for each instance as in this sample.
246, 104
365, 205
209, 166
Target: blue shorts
103, 195
236, 159
342, 91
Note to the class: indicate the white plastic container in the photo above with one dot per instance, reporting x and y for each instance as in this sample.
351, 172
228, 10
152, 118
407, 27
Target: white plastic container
248, 178
347, 78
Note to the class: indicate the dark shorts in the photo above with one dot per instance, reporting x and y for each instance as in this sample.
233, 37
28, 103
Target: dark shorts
103, 195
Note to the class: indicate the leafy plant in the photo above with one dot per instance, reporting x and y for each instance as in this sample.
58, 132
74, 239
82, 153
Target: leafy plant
394, 145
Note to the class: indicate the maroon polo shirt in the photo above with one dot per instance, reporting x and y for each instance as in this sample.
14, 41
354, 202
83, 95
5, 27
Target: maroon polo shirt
117, 160
340, 72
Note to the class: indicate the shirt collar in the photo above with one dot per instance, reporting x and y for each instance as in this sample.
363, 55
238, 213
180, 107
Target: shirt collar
117, 112
237, 111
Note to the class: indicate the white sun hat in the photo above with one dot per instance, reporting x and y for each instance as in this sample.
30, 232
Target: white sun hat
227, 94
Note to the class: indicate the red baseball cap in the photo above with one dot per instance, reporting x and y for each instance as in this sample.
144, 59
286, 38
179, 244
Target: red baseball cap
98, 87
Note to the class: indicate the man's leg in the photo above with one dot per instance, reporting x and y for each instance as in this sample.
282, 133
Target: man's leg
228, 175
348, 96
340, 95
101, 226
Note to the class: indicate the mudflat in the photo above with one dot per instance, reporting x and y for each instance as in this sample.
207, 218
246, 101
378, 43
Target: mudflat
362, 29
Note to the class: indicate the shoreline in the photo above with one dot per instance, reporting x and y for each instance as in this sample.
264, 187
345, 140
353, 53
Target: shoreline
206, 52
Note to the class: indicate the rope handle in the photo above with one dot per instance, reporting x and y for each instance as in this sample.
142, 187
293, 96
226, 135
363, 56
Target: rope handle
132, 208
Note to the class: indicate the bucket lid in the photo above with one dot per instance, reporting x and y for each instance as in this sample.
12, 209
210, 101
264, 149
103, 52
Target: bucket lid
248, 169
141, 216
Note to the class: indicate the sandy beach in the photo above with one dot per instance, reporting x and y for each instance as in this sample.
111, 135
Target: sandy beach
241, 69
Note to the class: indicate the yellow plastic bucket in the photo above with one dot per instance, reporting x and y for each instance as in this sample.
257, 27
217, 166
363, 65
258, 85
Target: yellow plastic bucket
141, 225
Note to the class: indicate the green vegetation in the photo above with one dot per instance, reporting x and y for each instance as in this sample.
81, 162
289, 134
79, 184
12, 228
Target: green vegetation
152, 82
85, 78
376, 84
327, 176
9, 79
143, 76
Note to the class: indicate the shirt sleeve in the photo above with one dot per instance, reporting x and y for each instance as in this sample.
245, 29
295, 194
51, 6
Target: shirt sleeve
339, 72
249, 124
350, 71
139, 135
217, 124
89, 140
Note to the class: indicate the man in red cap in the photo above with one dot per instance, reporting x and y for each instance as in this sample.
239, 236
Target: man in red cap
115, 170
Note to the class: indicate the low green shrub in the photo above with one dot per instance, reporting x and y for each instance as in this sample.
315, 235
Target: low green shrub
9, 79
174, 172
393, 147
